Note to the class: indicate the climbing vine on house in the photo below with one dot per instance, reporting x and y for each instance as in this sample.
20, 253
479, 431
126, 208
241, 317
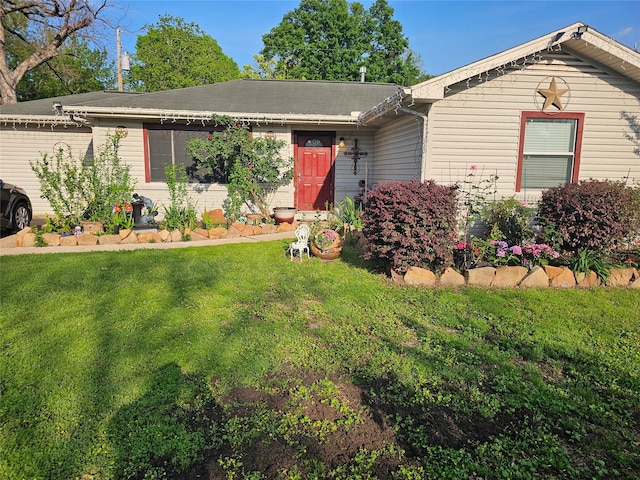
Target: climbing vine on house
254, 167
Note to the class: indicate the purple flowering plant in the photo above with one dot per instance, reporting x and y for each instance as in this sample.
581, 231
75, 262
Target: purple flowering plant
498, 252
324, 238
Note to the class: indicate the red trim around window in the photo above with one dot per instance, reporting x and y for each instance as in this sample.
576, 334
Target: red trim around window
147, 165
578, 150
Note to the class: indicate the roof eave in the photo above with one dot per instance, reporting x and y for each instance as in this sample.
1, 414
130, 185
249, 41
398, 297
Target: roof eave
435, 89
82, 115
205, 117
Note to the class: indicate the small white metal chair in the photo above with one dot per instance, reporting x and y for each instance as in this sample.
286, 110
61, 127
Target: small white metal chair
302, 242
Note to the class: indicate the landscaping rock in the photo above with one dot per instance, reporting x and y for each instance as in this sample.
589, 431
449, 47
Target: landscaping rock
216, 216
196, 235
480, 277
87, 239
396, 277
509, 277
68, 240
165, 235
124, 233
269, 228
247, 231
588, 281
109, 239
233, 232
51, 239
636, 279
202, 232
536, 278
620, 277
176, 235
29, 239
420, 276
20, 236
217, 233
149, 237
285, 227
451, 278
561, 277
129, 239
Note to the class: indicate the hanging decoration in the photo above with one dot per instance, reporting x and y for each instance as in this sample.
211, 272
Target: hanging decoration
355, 154
553, 94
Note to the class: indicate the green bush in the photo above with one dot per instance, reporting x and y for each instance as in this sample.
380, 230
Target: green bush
80, 188
591, 214
252, 167
410, 224
511, 217
181, 212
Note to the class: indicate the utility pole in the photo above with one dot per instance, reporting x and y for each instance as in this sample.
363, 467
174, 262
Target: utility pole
118, 46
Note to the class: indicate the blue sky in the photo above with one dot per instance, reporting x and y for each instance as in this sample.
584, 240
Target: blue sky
446, 34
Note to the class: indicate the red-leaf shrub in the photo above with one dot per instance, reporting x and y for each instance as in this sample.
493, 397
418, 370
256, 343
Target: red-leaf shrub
591, 214
409, 223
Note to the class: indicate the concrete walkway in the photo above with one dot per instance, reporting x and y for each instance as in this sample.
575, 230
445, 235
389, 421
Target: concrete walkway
8, 245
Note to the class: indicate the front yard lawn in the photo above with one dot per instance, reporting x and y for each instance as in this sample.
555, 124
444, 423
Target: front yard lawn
233, 362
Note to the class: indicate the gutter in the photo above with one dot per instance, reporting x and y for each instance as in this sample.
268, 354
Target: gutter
40, 121
394, 102
204, 117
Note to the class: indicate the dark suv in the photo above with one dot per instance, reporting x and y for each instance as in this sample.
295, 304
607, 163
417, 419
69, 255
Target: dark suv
15, 207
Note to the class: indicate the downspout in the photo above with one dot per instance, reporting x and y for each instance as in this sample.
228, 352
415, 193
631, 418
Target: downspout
424, 131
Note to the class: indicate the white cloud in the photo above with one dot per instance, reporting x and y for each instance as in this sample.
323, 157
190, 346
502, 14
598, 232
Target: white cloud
624, 32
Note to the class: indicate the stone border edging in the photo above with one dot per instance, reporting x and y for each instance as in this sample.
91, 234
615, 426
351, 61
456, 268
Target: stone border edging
517, 277
26, 240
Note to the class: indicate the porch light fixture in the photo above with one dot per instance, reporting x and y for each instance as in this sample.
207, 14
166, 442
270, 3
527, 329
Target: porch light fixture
578, 33
341, 144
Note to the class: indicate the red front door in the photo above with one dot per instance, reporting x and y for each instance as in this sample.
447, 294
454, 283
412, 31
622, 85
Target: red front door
314, 171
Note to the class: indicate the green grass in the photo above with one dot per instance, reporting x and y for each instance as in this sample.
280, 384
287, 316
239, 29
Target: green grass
116, 365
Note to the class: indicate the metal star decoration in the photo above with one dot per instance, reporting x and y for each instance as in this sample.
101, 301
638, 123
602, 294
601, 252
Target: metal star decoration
552, 95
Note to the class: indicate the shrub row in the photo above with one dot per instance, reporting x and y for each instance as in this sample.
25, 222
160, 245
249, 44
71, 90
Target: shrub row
413, 224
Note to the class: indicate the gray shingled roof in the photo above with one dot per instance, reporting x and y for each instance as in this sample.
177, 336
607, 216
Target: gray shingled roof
242, 96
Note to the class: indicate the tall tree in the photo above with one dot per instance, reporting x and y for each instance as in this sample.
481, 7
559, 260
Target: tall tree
331, 40
176, 54
43, 26
78, 69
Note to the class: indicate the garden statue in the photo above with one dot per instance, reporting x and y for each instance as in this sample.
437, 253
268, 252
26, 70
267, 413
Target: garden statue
149, 215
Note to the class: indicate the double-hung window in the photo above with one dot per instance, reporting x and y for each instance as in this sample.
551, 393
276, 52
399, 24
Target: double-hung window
549, 152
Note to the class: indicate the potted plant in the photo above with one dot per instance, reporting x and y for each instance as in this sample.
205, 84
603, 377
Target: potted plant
284, 214
327, 244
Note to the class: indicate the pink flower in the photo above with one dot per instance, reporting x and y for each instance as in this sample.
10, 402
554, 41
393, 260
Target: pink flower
474, 168
524, 203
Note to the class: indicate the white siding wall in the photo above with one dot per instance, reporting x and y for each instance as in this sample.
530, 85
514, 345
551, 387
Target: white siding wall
398, 147
346, 183
19, 145
481, 125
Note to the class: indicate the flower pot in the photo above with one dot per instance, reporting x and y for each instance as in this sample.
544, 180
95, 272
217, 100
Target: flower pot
327, 244
92, 227
284, 214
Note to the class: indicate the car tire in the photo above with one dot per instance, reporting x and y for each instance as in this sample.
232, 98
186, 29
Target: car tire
21, 217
